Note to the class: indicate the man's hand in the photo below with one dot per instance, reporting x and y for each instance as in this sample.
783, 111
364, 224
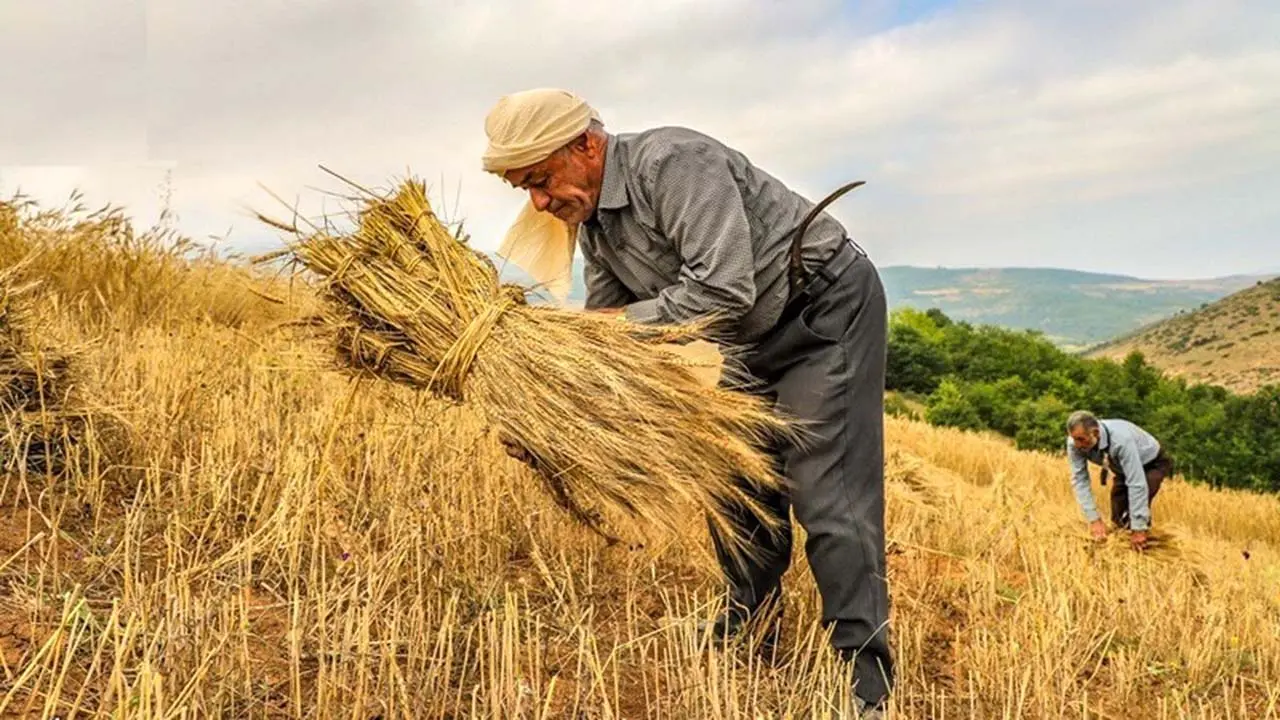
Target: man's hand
1138, 539
1098, 530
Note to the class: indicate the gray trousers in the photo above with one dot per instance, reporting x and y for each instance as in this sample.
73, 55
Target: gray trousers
827, 368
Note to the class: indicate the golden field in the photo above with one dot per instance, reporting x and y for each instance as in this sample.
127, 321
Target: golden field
245, 531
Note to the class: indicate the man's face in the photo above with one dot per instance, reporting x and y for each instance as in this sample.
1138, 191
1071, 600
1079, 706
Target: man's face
1084, 439
566, 184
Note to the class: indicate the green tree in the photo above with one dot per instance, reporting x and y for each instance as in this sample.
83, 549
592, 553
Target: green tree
938, 317
1109, 394
948, 406
1041, 424
915, 364
1143, 378
1058, 383
997, 403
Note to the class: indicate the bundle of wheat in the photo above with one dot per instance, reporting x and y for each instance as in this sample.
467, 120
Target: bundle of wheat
609, 418
40, 424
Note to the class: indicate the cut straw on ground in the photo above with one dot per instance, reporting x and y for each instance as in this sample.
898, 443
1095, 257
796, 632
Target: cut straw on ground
274, 540
43, 416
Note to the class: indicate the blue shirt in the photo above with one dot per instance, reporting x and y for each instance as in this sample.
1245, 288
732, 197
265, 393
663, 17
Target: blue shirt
1130, 448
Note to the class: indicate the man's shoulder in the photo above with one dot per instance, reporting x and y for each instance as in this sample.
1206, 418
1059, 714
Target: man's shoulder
649, 148
1121, 425
1125, 432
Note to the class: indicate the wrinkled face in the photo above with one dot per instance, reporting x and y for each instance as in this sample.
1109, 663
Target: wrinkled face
1083, 438
566, 184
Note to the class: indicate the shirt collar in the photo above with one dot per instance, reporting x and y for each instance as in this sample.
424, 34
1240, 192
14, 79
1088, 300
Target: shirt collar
613, 187
1104, 437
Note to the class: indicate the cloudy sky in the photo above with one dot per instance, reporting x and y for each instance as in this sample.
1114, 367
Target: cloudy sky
1135, 137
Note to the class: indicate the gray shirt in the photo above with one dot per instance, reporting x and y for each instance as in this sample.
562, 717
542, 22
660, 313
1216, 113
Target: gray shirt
1130, 448
686, 226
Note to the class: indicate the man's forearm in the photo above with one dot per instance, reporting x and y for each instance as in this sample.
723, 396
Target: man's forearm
1081, 485
1139, 507
1135, 477
1084, 498
690, 301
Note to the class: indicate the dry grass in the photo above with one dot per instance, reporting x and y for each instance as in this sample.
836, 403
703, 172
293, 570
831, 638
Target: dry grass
115, 278
273, 540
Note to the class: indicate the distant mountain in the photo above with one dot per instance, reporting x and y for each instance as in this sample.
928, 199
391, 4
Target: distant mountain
1234, 342
1072, 308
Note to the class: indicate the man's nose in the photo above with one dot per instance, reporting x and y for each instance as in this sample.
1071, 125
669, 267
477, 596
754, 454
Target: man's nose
541, 200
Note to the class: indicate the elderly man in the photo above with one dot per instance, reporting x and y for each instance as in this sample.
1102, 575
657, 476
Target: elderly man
1137, 460
673, 225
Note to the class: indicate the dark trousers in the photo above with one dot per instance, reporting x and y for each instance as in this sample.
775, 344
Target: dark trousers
826, 367
1157, 470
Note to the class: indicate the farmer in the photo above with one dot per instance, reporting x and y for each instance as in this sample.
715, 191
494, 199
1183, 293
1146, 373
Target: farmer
673, 225
1136, 459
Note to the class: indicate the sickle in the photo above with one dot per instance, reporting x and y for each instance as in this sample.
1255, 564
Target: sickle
795, 271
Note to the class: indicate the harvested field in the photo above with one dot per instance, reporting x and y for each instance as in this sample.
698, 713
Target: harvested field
273, 538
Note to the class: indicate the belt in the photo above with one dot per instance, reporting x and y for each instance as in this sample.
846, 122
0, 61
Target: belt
845, 255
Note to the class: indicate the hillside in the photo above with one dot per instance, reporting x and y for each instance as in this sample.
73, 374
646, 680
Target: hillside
240, 530
1072, 308
1234, 342
1065, 305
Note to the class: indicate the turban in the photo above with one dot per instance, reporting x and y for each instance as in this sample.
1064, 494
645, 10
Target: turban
524, 129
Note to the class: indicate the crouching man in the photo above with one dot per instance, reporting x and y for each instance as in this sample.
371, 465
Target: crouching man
1133, 456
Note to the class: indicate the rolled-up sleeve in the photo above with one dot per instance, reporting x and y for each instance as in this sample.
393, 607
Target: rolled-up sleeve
1081, 483
698, 206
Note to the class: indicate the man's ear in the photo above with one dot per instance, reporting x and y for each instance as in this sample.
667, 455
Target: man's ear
584, 144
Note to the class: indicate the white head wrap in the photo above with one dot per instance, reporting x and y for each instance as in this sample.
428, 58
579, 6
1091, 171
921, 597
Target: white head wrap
524, 129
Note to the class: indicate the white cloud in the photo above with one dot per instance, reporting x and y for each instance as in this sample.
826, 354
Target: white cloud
74, 82
990, 134
1122, 130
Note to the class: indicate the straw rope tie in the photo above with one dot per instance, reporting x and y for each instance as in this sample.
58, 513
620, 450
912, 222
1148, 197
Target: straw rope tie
457, 361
